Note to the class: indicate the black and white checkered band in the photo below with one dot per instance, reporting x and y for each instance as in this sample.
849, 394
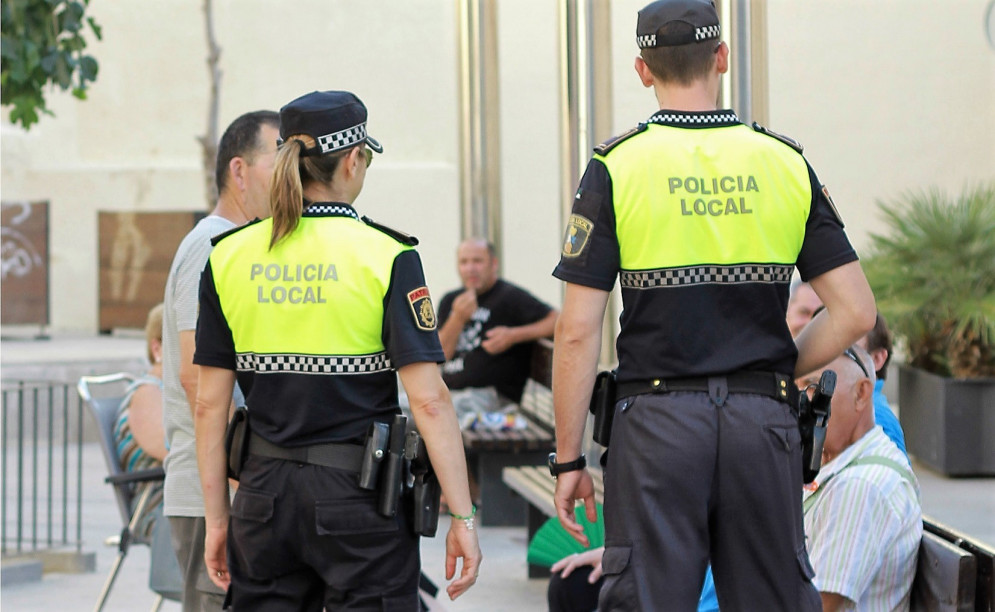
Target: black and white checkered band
707, 32
724, 117
312, 364
706, 275
648, 41
342, 140
330, 210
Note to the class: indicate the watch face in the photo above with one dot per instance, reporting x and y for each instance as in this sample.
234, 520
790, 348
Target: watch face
551, 463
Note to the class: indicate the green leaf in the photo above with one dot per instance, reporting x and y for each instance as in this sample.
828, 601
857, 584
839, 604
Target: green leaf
88, 68
97, 30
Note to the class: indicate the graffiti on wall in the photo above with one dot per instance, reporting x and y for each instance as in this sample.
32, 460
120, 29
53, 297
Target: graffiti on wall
24, 262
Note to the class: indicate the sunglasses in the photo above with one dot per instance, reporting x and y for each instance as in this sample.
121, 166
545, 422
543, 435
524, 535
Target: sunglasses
849, 352
369, 156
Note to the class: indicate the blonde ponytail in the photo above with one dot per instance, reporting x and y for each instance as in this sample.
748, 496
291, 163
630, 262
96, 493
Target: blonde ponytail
286, 195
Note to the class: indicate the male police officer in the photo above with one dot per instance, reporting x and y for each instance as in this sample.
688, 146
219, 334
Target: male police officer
704, 219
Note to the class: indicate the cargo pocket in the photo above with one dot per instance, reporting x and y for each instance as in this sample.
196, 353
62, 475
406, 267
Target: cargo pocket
619, 590
351, 517
804, 566
253, 535
401, 603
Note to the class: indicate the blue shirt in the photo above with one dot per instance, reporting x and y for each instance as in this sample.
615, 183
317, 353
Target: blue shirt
884, 417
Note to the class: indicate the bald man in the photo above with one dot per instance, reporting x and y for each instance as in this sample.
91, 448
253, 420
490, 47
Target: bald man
863, 516
488, 327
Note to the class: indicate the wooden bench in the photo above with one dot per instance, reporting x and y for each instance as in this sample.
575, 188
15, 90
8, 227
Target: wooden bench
954, 573
489, 451
536, 486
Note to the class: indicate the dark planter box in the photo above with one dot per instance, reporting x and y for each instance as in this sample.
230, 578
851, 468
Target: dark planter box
949, 423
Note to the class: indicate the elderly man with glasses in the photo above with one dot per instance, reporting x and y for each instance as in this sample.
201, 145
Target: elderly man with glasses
863, 516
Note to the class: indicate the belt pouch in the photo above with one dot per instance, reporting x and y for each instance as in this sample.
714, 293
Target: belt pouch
603, 406
376, 447
237, 441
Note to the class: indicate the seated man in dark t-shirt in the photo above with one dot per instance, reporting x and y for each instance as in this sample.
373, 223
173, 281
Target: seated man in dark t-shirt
487, 327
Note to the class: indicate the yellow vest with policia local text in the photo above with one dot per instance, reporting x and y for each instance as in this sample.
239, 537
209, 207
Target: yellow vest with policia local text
319, 291
724, 195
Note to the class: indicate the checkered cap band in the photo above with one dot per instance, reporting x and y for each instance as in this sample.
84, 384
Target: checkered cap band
348, 137
694, 119
312, 364
648, 41
325, 210
707, 32
706, 275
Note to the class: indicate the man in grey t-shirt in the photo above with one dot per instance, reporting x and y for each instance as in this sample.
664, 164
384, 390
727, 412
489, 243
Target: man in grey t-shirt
245, 163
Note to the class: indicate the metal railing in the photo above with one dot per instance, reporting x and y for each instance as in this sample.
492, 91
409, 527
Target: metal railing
42, 467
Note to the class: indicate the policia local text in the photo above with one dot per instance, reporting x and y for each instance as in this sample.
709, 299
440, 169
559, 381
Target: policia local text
295, 293
714, 186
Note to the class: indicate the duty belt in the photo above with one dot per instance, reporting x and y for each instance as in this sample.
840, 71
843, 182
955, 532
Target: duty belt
334, 455
771, 384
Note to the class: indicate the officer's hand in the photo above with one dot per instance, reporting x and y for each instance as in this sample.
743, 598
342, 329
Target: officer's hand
465, 305
571, 486
592, 557
216, 557
498, 340
461, 542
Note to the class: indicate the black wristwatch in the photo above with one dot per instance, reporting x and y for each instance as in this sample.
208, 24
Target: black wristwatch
555, 469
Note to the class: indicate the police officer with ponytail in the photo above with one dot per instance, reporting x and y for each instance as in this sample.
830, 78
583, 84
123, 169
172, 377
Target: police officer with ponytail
312, 312
703, 220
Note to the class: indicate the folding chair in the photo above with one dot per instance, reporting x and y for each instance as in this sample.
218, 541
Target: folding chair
131, 490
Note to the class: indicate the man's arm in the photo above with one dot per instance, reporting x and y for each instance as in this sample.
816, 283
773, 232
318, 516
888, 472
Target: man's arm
189, 371
576, 347
831, 602
463, 307
502, 338
849, 315
210, 419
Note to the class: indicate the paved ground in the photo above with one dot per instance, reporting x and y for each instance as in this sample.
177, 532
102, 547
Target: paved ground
964, 504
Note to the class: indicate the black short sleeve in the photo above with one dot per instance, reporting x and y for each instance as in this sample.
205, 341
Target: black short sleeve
590, 254
410, 324
825, 246
215, 345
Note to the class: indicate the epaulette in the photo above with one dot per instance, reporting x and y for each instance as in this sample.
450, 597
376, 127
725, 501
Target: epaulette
791, 142
605, 147
223, 235
401, 237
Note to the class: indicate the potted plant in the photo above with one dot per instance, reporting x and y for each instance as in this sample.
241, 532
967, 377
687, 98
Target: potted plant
933, 275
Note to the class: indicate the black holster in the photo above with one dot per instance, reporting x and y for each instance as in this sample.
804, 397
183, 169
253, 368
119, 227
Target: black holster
603, 406
237, 441
393, 468
425, 488
813, 416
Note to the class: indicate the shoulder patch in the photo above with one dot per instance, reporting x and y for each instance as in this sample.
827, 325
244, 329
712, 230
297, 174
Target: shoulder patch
606, 147
421, 308
223, 235
791, 142
399, 236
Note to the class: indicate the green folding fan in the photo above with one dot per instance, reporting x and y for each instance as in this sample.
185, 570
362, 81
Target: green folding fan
552, 542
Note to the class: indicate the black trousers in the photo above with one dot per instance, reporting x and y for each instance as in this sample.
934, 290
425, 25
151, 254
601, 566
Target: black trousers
690, 479
306, 537
573, 593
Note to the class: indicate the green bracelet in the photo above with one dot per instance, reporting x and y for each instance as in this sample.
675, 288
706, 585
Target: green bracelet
465, 518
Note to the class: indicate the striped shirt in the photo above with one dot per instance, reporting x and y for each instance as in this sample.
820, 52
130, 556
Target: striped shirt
864, 526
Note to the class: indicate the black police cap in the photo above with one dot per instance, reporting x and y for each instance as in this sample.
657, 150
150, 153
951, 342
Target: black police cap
697, 18
335, 119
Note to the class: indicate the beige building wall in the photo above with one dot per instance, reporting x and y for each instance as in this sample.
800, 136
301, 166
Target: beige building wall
903, 98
